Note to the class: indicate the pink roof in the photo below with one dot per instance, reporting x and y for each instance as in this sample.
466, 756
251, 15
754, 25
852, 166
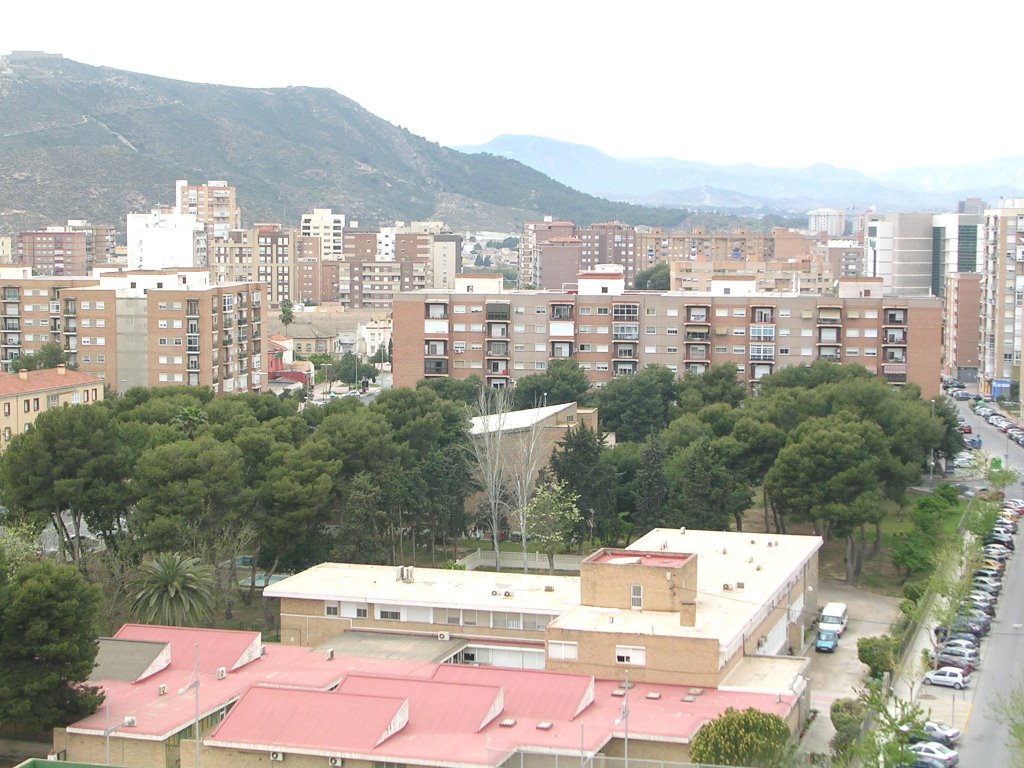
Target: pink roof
384, 710
638, 557
311, 720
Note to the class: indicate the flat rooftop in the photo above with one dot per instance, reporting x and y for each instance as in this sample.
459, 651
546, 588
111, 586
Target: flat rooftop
629, 557
738, 577
434, 587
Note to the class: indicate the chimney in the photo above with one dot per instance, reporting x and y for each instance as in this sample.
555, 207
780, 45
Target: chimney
23, 374
61, 370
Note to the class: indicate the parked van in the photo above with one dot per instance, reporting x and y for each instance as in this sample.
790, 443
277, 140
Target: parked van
834, 616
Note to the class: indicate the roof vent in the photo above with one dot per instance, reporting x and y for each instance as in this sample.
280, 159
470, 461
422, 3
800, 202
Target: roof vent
544, 725
689, 699
753, 541
653, 695
222, 672
329, 654
618, 692
770, 544
161, 690
508, 722
696, 691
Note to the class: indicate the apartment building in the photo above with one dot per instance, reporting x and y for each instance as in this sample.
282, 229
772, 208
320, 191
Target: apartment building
26, 394
6, 250
500, 336
162, 239
329, 227
844, 258
961, 326
829, 221
100, 242
150, 329
958, 245
810, 274
531, 253
214, 205
289, 264
898, 248
53, 251
1002, 285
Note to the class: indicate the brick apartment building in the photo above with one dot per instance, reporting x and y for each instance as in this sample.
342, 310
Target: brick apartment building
480, 330
26, 394
214, 204
158, 328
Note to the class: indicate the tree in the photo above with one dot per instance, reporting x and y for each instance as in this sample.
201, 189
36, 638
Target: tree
562, 382
847, 717
287, 315
17, 548
552, 519
48, 630
69, 464
47, 356
704, 492
576, 463
465, 390
718, 384
657, 278
880, 654
487, 447
651, 508
746, 738
634, 407
172, 589
885, 745
189, 419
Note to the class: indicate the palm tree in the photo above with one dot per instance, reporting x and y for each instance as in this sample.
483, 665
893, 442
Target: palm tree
189, 419
172, 589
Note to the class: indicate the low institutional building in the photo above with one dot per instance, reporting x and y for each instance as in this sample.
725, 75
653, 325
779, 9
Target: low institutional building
26, 394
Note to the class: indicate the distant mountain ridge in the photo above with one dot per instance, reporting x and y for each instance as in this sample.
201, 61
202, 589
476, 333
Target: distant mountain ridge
669, 181
78, 141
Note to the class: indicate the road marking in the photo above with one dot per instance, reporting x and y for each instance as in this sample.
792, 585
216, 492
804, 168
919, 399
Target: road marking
967, 719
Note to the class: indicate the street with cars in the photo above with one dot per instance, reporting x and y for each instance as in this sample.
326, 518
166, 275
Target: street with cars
978, 654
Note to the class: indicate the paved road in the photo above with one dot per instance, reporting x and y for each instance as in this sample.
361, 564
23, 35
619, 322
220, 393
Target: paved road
985, 739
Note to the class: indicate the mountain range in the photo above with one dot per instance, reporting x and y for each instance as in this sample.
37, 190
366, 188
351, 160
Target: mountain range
666, 181
87, 142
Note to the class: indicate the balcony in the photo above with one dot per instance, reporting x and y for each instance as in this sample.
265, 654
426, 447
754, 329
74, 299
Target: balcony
497, 349
625, 333
499, 312
561, 311
12, 325
698, 335
897, 338
624, 369
11, 309
435, 367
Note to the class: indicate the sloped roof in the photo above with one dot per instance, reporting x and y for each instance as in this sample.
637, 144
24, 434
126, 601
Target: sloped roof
45, 379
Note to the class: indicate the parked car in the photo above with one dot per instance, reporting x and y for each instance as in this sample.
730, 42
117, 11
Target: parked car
935, 731
973, 442
934, 749
956, 642
1001, 539
989, 609
988, 573
996, 552
961, 394
976, 618
941, 634
958, 657
827, 641
966, 429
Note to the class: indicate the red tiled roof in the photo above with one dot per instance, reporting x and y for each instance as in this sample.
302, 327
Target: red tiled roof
47, 378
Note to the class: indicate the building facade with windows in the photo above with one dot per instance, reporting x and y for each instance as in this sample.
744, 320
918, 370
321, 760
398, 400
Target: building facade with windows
159, 328
1002, 297
26, 394
214, 204
502, 336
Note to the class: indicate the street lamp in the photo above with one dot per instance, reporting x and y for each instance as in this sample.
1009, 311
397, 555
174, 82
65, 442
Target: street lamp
194, 686
128, 722
931, 461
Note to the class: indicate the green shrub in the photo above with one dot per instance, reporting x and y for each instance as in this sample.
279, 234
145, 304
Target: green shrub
879, 653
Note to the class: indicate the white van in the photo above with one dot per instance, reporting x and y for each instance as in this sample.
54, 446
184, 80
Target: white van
834, 616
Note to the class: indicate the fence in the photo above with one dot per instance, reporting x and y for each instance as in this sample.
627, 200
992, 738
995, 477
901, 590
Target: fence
526, 759
512, 561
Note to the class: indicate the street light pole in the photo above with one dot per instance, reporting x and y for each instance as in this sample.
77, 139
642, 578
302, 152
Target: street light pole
931, 462
127, 722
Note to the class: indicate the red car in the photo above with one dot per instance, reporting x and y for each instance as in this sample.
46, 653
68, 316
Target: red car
966, 429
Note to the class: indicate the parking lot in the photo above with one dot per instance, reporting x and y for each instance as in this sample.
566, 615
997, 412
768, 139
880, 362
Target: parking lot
840, 674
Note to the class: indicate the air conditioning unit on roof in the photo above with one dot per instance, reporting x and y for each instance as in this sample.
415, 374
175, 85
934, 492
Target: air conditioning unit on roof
277, 757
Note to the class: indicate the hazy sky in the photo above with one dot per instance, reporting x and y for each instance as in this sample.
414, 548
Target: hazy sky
868, 85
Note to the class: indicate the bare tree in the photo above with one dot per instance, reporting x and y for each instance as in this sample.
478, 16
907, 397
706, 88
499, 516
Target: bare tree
522, 465
487, 444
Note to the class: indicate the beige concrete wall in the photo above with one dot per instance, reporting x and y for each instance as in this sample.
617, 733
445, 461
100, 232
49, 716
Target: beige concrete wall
670, 660
609, 586
303, 623
126, 752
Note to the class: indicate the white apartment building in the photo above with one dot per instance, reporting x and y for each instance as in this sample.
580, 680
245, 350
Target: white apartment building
164, 240
329, 227
898, 249
829, 220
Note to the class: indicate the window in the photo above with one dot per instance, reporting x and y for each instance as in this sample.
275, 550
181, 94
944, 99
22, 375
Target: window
27, 406
584, 329
603, 310
7, 409
562, 651
331, 609
586, 310
672, 331
650, 349
389, 614
585, 348
636, 596
650, 330
361, 612
650, 311
672, 350
633, 655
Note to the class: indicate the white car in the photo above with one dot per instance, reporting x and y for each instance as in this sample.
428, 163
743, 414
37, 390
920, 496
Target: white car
933, 750
951, 677
968, 644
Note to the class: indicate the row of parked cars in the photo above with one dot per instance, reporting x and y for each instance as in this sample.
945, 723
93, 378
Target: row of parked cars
959, 652
1000, 422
